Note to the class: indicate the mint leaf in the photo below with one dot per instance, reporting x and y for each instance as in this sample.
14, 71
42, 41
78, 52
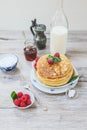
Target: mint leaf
49, 56
73, 78
56, 59
13, 95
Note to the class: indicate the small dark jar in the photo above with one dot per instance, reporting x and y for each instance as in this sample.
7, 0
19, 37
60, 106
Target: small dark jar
30, 52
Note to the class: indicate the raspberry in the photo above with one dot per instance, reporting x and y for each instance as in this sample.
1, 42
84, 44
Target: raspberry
24, 98
17, 102
27, 95
22, 104
35, 65
20, 99
57, 55
50, 61
28, 102
37, 58
19, 94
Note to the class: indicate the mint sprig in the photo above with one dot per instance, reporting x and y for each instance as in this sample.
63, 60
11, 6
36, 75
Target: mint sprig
73, 78
56, 59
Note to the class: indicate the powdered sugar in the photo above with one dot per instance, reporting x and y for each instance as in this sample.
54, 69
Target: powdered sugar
8, 60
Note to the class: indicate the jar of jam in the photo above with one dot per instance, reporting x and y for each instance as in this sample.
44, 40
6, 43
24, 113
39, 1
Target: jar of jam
30, 51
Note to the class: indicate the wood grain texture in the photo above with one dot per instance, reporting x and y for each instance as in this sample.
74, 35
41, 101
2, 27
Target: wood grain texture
63, 113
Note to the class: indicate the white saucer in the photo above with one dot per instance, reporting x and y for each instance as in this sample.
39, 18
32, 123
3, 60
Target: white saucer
50, 89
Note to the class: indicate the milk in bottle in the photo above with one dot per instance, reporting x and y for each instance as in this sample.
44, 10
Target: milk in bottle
58, 39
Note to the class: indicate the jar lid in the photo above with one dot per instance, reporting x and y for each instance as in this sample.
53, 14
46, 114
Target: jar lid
40, 27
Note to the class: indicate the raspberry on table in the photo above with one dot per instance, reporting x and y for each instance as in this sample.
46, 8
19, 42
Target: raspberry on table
37, 58
35, 65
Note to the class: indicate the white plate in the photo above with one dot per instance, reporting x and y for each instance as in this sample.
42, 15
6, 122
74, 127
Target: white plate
8, 61
50, 89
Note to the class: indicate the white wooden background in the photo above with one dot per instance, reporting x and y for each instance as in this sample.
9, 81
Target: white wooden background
17, 14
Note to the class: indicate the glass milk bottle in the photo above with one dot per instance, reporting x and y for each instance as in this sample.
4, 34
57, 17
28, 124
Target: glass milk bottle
59, 30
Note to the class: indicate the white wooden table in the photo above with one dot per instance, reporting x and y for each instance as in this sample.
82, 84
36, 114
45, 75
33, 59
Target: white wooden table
63, 113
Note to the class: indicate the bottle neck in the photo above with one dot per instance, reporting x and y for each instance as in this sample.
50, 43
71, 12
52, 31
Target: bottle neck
60, 4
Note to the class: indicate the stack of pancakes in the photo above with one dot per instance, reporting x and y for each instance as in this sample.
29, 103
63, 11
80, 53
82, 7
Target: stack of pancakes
56, 74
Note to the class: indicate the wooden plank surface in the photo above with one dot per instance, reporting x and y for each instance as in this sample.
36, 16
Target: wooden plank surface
63, 113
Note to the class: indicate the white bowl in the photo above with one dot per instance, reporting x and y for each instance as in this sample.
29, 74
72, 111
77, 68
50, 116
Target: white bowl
31, 97
8, 62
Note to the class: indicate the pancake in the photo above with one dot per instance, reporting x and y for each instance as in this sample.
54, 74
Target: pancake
55, 74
